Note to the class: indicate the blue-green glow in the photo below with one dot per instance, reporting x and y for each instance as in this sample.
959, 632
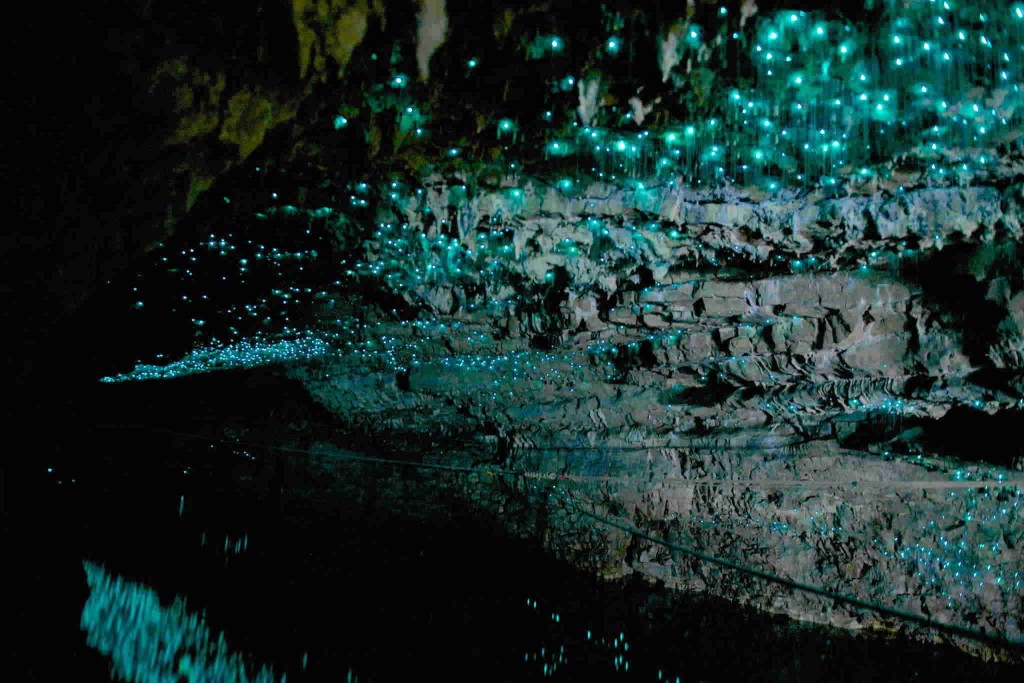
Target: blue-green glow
149, 643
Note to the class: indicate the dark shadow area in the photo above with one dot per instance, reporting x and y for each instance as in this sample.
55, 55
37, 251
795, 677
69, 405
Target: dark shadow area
955, 281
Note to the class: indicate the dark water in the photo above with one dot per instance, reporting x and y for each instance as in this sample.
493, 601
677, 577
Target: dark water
334, 590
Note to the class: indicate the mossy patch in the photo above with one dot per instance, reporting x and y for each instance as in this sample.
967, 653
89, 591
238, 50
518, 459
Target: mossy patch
328, 28
250, 114
194, 96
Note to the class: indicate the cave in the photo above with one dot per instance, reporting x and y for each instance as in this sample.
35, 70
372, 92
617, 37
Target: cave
375, 340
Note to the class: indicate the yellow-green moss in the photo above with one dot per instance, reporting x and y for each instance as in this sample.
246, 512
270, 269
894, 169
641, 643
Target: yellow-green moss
328, 28
195, 96
198, 184
250, 115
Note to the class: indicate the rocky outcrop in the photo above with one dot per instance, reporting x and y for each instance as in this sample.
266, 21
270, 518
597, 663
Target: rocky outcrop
759, 379
771, 411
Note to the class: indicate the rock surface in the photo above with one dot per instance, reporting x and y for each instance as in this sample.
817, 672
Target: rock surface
779, 421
